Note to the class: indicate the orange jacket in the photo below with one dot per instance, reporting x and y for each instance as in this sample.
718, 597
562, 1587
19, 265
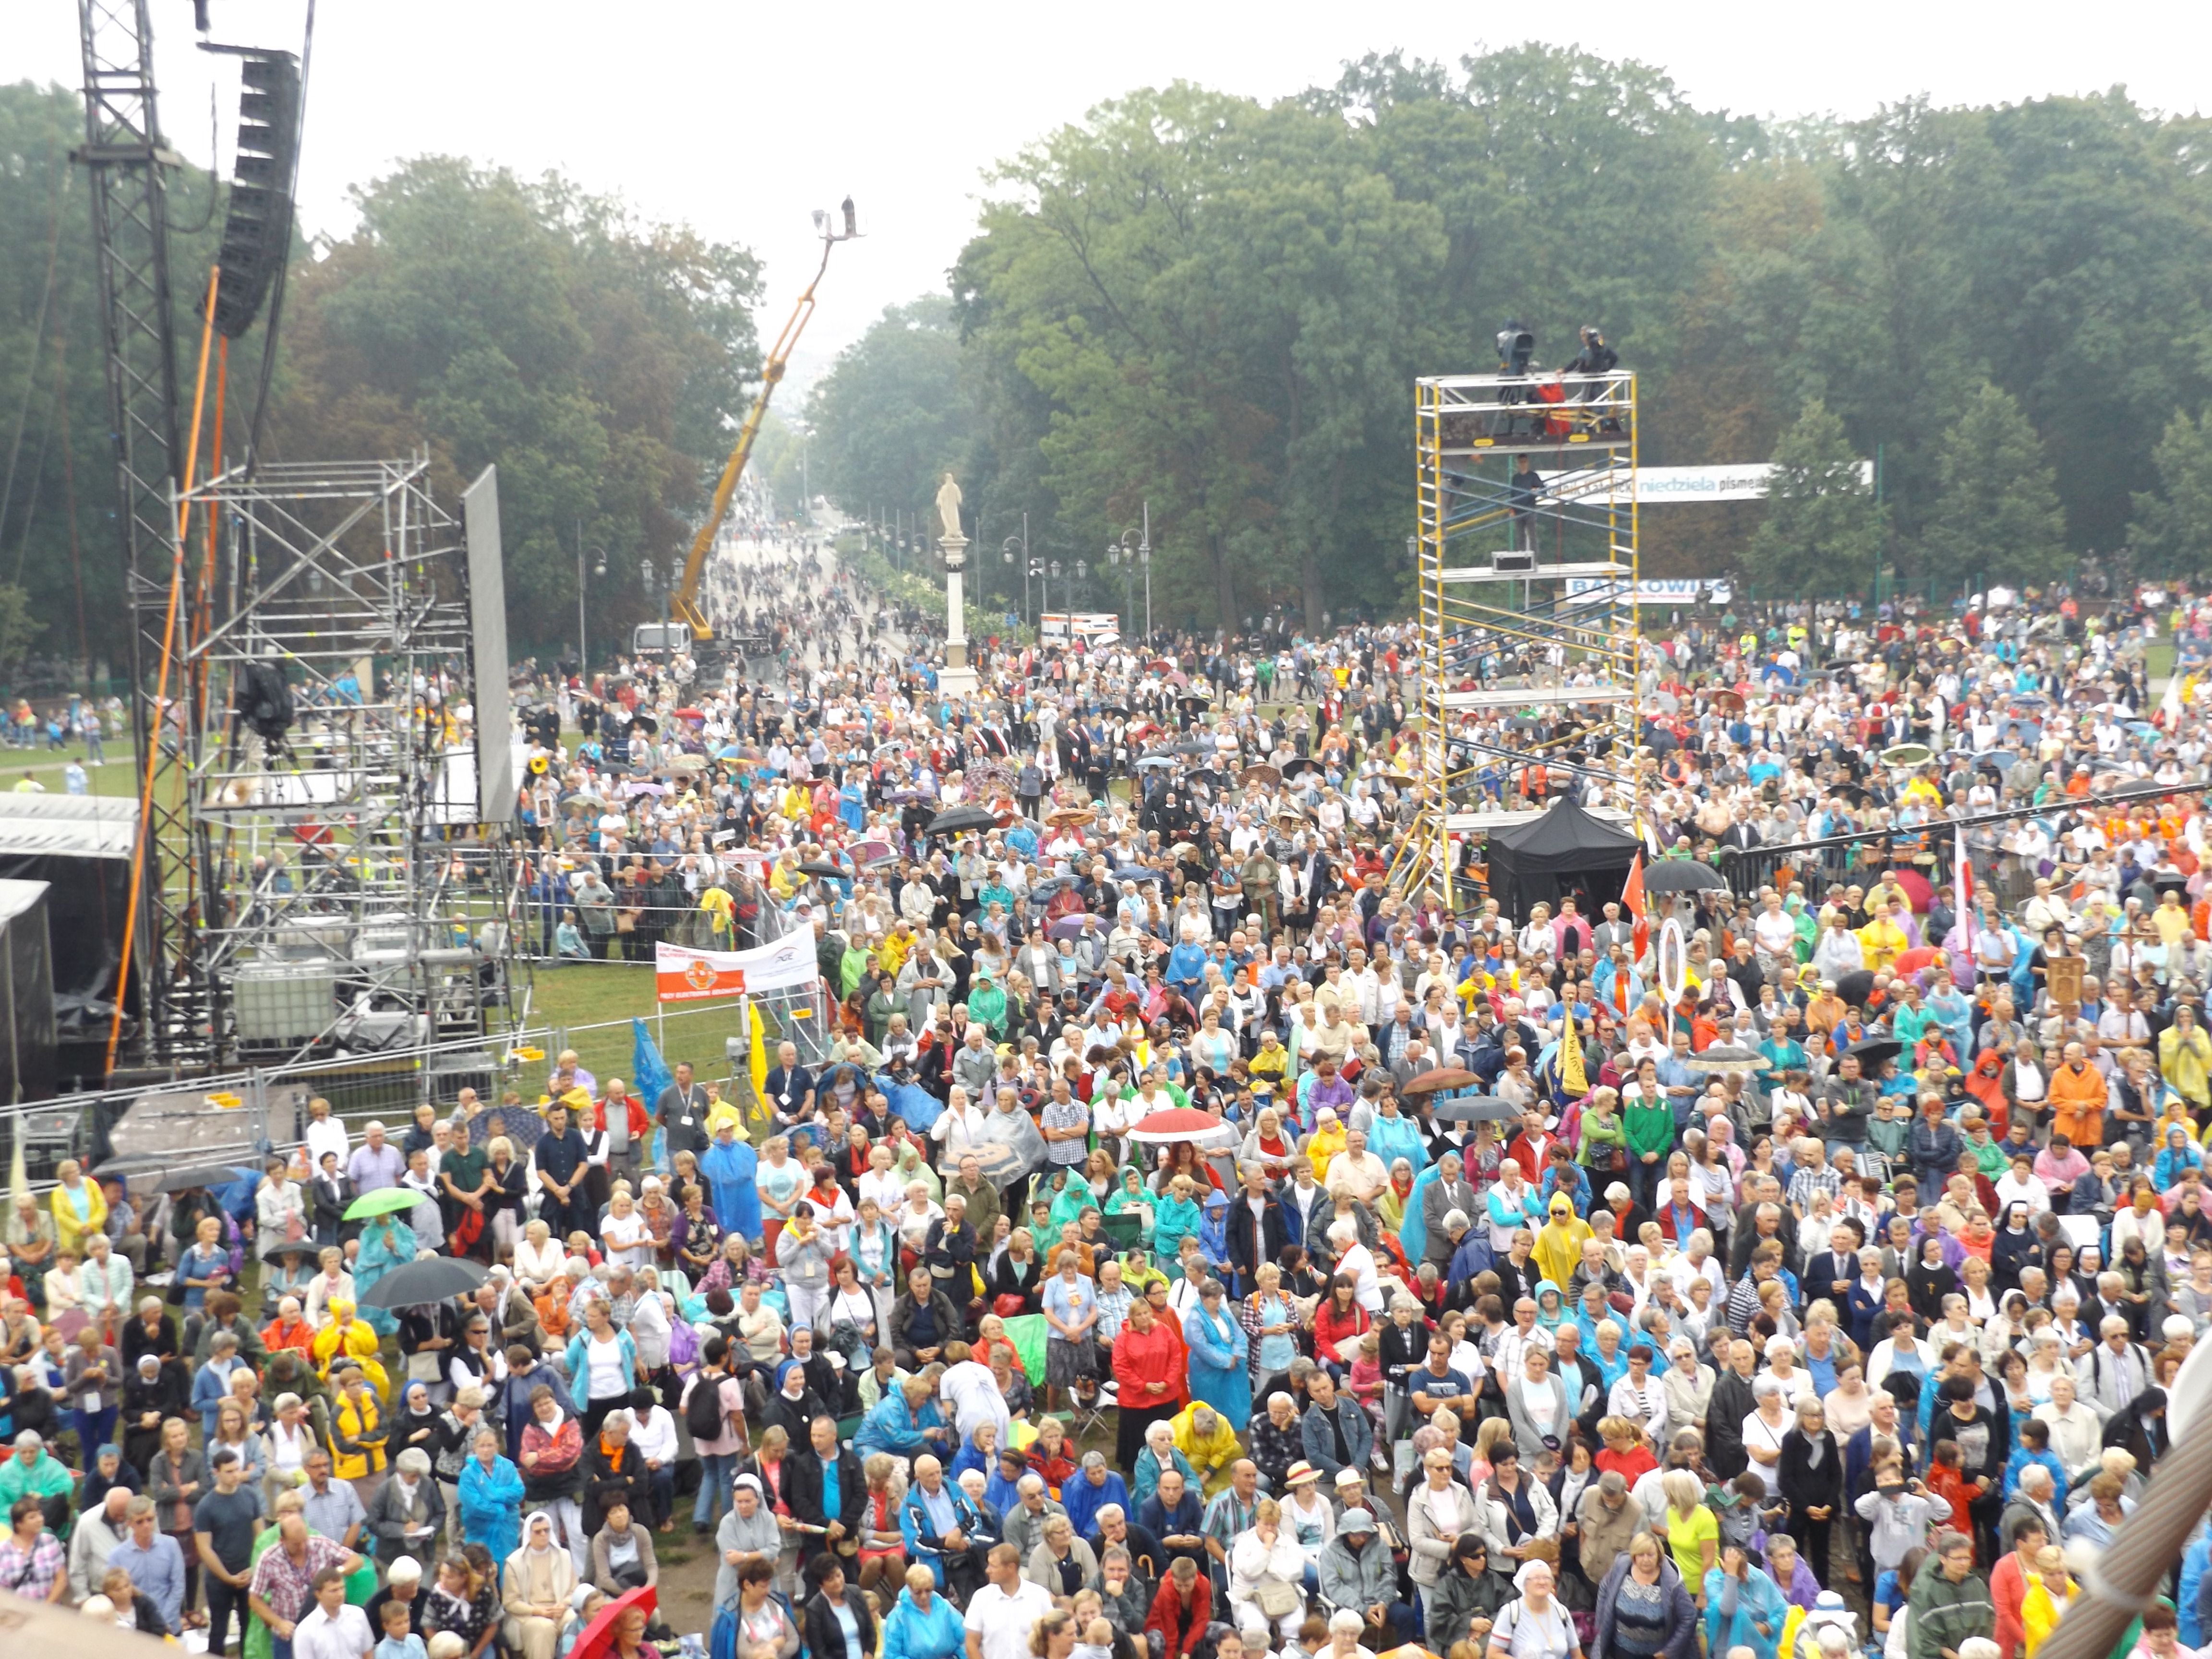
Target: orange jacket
2077, 1102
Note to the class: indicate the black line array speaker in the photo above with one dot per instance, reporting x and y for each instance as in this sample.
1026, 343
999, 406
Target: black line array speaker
257, 231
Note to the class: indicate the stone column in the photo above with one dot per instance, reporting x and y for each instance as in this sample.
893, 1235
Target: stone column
955, 678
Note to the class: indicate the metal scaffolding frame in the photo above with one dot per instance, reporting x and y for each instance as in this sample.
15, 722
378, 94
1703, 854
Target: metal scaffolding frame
1527, 590
329, 888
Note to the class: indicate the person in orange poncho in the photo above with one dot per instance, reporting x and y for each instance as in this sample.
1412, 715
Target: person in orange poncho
288, 1330
1985, 1083
2077, 1100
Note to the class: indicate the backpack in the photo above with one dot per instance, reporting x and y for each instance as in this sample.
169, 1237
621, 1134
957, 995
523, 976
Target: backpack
702, 1407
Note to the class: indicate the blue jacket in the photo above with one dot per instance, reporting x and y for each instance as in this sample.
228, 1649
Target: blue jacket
580, 1361
893, 1427
1083, 1501
921, 1536
1321, 1444
491, 1506
210, 1388
911, 1633
2021, 1458
1759, 1601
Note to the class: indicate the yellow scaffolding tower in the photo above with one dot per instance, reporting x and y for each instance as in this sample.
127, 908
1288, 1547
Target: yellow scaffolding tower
1527, 567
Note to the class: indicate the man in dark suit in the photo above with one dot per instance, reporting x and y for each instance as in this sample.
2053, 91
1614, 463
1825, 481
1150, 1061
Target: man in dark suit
827, 1490
1830, 1275
1449, 1191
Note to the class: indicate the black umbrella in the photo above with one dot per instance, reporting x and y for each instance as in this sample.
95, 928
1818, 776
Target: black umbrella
1873, 1052
959, 820
1476, 1108
1137, 872
431, 1278
1050, 886
204, 1175
823, 867
1194, 748
1682, 876
1851, 989
1300, 767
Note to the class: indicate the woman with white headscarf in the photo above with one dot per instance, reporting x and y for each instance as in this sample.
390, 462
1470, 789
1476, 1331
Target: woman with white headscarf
538, 1589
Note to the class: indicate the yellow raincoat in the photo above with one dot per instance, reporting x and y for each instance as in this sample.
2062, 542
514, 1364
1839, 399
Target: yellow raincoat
1328, 1141
1559, 1241
1210, 1455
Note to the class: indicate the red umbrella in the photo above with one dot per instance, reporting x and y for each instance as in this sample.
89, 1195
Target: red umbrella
1918, 892
598, 1637
1175, 1123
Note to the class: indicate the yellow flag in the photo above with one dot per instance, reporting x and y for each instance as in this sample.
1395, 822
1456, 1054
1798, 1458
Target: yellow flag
759, 1065
1571, 1076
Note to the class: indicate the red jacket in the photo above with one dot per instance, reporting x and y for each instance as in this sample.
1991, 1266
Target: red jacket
2008, 1590
640, 1124
1153, 1356
1180, 1627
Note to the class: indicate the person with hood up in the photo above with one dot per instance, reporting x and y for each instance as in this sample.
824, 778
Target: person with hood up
2175, 1155
923, 1624
1559, 1240
1743, 1607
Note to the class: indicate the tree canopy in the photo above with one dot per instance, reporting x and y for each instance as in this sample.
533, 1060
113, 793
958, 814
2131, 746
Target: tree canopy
1215, 306
1218, 306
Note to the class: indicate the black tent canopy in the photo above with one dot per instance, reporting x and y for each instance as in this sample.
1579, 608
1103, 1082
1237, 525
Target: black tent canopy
1566, 853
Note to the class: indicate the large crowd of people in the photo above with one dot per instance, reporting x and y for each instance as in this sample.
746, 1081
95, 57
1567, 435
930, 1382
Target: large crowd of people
1117, 1276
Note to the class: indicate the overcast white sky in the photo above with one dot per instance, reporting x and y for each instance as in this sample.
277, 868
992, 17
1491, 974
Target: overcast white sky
741, 117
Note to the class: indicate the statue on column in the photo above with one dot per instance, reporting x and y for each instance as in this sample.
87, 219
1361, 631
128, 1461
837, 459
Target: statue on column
948, 509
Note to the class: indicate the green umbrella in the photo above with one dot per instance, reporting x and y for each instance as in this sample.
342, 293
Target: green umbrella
383, 1201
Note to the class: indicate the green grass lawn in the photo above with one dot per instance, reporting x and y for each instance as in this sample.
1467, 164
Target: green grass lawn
607, 995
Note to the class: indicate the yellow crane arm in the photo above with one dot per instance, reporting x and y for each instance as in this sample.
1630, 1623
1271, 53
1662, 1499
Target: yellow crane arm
686, 602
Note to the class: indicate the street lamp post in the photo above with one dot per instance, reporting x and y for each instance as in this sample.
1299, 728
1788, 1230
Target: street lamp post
1007, 555
583, 655
1120, 552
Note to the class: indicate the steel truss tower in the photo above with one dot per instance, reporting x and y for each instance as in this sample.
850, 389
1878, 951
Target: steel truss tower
128, 162
325, 864
1527, 564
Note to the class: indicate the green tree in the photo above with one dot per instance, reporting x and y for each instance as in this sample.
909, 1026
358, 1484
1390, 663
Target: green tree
1822, 522
894, 412
1201, 303
600, 361
1998, 514
2171, 531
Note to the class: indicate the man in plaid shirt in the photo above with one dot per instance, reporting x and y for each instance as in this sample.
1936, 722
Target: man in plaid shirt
1813, 1175
283, 1583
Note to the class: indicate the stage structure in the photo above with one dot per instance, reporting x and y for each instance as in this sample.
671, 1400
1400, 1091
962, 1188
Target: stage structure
306, 872
1526, 556
336, 878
